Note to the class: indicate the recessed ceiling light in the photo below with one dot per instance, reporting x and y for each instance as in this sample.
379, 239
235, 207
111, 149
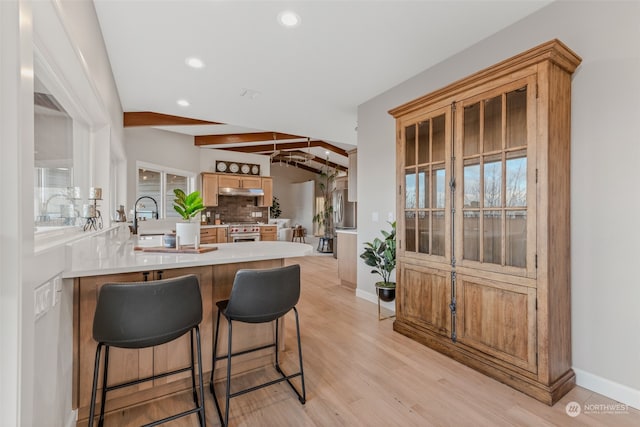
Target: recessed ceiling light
183, 103
194, 62
288, 19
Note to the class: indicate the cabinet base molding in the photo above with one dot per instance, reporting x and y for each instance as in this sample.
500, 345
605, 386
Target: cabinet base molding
545, 393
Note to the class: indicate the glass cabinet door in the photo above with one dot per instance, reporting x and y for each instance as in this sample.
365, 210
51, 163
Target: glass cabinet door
495, 179
425, 203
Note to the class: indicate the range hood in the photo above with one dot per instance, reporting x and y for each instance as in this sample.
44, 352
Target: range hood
251, 192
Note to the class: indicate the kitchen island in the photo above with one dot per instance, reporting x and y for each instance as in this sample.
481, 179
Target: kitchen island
110, 257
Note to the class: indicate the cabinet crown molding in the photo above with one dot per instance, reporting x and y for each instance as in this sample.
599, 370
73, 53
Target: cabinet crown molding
554, 51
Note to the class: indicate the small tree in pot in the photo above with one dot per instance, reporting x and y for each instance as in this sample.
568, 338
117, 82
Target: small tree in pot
381, 255
324, 217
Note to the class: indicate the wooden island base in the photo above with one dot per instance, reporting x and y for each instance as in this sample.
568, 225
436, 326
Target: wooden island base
124, 365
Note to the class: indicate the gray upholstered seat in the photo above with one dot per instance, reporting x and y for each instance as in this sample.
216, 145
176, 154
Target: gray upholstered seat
259, 296
146, 314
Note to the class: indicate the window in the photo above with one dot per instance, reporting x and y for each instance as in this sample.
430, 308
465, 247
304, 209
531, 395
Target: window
155, 190
58, 137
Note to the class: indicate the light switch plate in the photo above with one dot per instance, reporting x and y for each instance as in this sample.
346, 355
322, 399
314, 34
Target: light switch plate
42, 299
57, 290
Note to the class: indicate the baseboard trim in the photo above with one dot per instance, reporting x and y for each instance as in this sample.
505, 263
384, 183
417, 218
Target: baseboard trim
616, 391
372, 297
72, 418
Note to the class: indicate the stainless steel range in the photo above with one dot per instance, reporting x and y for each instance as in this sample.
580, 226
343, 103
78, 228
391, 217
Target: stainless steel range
244, 232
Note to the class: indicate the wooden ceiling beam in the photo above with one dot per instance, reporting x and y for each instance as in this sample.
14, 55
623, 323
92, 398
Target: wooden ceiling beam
265, 148
242, 138
149, 118
282, 157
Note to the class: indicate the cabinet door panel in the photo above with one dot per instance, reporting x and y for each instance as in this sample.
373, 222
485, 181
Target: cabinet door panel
221, 234
496, 184
251, 183
498, 319
424, 295
176, 354
229, 181
267, 187
210, 189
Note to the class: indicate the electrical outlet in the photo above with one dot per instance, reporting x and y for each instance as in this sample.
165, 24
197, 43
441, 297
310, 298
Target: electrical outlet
42, 299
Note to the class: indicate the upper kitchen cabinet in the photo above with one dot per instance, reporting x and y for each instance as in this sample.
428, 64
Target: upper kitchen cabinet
483, 257
352, 194
210, 189
266, 200
237, 181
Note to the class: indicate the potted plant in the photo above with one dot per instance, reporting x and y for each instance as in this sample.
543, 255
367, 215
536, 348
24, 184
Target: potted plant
187, 206
381, 255
274, 209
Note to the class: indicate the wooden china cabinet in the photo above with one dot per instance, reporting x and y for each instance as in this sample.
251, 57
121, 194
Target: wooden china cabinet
483, 258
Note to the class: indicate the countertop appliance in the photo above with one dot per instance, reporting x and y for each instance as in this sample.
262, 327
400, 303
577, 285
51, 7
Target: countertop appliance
244, 232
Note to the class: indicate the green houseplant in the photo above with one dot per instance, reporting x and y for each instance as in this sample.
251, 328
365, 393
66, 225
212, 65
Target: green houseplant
274, 209
324, 217
381, 255
187, 206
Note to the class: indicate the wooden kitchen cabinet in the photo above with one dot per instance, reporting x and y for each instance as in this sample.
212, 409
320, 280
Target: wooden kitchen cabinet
131, 364
483, 268
267, 186
268, 232
208, 235
352, 187
222, 234
210, 189
214, 235
238, 181
348, 259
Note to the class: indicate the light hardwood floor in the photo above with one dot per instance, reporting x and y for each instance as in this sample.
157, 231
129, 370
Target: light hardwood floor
359, 372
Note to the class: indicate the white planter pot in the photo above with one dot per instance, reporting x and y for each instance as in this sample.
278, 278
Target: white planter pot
187, 232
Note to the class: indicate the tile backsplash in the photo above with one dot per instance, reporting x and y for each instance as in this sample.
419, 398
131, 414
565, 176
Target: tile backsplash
238, 209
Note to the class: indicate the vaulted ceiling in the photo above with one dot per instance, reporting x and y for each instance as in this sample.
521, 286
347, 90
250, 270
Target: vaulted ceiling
270, 89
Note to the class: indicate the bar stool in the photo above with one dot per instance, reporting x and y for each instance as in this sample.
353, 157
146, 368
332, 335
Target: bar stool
146, 314
298, 233
259, 296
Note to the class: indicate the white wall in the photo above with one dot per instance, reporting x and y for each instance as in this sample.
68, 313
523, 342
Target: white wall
284, 177
604, 174
208, 157
161, 148
36, 356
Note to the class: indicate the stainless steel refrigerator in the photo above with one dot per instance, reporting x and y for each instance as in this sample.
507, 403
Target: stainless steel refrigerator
344, 212
344, 215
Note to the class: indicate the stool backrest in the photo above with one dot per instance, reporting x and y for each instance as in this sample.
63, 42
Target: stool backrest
259, 296
144, 314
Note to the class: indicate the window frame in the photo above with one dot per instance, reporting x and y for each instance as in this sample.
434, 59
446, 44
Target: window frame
162, 201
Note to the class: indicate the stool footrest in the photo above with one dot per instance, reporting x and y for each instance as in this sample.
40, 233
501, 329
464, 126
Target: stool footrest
240, 353
173, 417
267, 384
152, 377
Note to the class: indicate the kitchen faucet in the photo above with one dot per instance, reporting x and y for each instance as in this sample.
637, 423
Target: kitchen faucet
135, 212
44, 209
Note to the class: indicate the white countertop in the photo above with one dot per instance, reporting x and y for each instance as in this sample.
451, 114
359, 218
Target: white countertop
110, 253
213, 225
347, 230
